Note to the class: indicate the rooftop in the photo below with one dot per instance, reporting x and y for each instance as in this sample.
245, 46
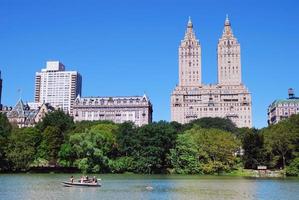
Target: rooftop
284, 101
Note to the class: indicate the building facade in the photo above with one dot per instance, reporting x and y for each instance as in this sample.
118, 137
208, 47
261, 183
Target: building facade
283, 108
23, 115
58, 87
229, 98
137, 109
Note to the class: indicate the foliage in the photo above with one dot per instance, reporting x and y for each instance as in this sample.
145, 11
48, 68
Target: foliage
213, 122
56, 119
121, 164
183, 157
126, 138
66, 155
51, 141
216, 149
253, 146
5, 130
280, 140
5, 126
152, 144
91, 148
22, 145
86, 125
293, 168
39, 162
204, 146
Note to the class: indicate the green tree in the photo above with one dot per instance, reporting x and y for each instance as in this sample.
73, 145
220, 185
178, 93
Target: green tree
92, 148
121, 164
82, 126
51, 143
151, 147
22, 145
184, 157
213, 122
56, 119
293, 168
66, 155
253, 145
280, 139
216, 149
126, 138
5, 130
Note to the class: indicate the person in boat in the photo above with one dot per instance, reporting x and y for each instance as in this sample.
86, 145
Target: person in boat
81, 179
72, 179
94, 180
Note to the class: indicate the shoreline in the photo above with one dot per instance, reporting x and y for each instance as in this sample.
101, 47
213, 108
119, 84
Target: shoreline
246, 173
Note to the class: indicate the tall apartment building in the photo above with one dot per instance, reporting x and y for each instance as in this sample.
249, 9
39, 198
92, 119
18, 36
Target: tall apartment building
229, 98
58, 87
283, 108
137, 109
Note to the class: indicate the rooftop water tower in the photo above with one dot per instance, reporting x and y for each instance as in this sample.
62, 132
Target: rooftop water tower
291, 93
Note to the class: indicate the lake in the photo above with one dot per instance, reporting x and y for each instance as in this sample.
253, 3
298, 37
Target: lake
130, 187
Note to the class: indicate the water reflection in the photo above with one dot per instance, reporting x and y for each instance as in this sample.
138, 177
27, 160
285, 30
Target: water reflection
130, 187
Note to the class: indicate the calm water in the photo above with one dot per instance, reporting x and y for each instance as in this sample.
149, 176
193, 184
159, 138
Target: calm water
130, 187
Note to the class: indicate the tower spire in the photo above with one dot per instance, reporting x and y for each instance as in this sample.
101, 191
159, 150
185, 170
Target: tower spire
227, 27
190, 25
227, 23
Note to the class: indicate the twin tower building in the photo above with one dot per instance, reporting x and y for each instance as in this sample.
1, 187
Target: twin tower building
229, 98
190, 100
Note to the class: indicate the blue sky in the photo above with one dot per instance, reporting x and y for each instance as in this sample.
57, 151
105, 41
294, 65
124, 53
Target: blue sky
128, 47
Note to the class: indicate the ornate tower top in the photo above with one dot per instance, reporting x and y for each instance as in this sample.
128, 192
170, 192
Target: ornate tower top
189, 34
227, 31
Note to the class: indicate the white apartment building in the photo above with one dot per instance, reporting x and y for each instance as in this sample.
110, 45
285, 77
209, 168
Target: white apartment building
229, 98
56, 86
137, 109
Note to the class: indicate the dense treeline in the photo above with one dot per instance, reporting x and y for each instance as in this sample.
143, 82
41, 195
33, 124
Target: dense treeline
204, 146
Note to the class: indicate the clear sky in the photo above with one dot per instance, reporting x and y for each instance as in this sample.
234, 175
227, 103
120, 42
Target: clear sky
128, 47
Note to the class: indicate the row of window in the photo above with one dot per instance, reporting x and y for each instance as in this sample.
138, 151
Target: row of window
189, 72
95, 114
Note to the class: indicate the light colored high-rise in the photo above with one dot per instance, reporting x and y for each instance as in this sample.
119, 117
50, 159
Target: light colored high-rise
229, 57
137, 109
229, 98
190, 59
58, 87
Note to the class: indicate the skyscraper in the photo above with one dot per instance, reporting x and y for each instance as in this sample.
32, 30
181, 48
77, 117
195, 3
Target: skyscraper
229, 98
190, 59
229, 57
58, 87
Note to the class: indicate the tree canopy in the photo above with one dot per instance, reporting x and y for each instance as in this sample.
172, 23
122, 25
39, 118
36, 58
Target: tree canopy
203, 146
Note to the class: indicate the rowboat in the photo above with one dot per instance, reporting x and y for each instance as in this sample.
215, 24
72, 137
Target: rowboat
69, 184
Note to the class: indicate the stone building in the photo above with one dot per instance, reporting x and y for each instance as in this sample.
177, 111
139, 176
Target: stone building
283, 108
137, 109
24, 116
229, 98
58, 87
